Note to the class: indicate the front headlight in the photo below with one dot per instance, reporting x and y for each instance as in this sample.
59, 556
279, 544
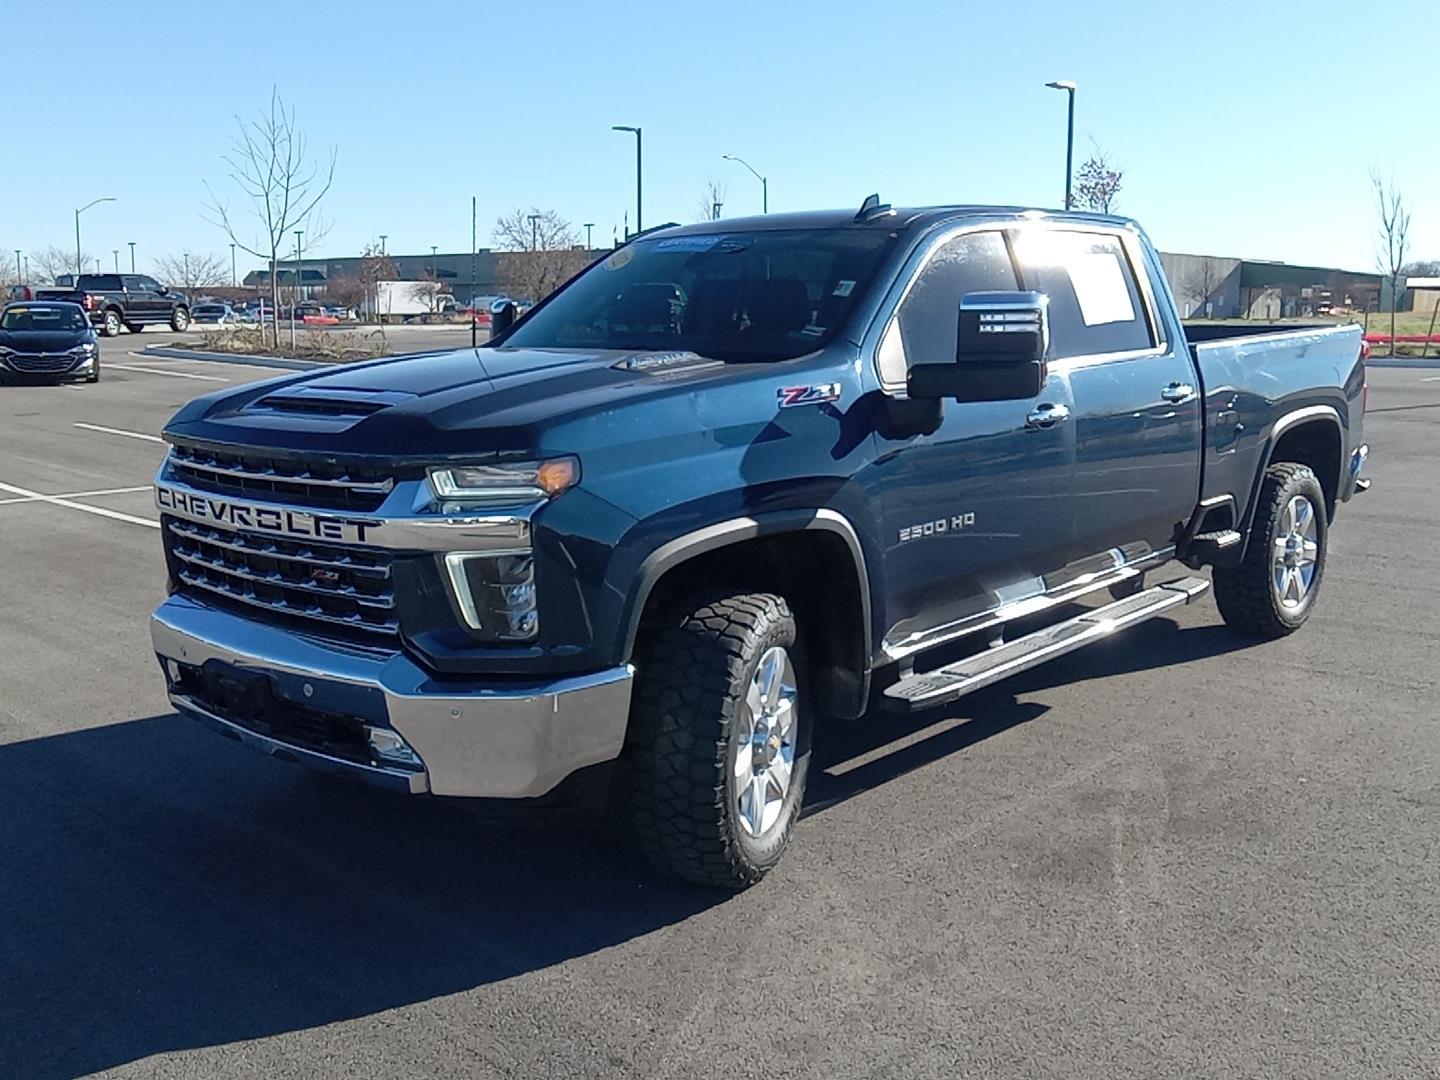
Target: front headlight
460, 486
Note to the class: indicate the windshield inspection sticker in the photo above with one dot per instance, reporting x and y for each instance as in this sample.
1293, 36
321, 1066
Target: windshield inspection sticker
620, 259
790, 396
843, 288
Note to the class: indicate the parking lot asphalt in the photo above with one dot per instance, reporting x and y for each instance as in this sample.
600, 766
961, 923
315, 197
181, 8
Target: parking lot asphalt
1177, 854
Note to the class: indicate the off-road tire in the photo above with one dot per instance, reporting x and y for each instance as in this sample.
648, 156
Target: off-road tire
1245, 593
694, 664
180, 320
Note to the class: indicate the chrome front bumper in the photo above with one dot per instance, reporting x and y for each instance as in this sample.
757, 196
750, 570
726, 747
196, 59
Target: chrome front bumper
477, 739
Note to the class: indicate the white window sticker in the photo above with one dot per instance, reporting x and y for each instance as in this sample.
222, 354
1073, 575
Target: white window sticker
1099, 283
843, 288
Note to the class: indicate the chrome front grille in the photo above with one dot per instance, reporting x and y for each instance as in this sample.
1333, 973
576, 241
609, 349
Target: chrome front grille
276, 480
327, 587
43, 363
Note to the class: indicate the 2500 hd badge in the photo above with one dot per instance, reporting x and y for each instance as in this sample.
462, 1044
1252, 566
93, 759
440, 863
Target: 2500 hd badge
261, 518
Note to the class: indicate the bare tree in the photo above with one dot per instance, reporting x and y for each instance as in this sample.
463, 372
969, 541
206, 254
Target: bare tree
1098, 183
1200, 284
50, 263
540, 251
427, 290
711, 200
375, 267
192, 271
1391, 239
269, 162
1418, 268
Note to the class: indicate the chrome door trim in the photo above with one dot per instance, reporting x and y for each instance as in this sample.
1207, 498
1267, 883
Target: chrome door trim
892, 650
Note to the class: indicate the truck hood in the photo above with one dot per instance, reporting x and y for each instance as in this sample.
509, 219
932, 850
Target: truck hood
464, 402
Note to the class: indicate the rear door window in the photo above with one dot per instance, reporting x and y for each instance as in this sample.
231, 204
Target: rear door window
1095, 304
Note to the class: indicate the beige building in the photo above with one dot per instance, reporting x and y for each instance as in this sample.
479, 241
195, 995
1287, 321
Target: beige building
1424, 294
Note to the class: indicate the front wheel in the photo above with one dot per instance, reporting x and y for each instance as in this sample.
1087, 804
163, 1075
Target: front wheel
1273, 590
180, 320
720, 738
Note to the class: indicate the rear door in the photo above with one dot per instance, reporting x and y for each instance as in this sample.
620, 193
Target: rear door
1137, 402
157, 307
138, 304
978, 512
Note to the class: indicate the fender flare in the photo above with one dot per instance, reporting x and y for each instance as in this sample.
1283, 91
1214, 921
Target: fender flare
723, 534
1310, 414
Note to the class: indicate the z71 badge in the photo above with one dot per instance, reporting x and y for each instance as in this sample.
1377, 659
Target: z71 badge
791, 396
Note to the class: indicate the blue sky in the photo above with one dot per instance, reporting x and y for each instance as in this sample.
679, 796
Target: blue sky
1243, 129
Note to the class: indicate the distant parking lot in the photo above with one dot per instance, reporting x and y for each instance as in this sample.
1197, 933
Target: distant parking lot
1173, 855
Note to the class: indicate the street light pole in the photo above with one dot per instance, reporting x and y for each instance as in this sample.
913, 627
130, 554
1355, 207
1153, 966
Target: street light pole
534, 232
18, 276
588, 246
382, 244
764, 183
639, 175
232, 266
1069, 88
79, 266
187, 273
294, 299
132, 256
473, 330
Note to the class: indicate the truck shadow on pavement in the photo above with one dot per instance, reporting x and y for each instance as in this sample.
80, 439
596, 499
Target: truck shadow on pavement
163, 889
860, 755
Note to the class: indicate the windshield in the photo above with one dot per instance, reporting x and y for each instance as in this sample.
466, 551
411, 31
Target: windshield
43, 318
756, 296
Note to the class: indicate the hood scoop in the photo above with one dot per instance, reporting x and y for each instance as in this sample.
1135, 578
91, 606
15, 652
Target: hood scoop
314, 401
659, 362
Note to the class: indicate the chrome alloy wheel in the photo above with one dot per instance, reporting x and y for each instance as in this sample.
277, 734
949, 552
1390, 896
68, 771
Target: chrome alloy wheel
763, 760
1293, 554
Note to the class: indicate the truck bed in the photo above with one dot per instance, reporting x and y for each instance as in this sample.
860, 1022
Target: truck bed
1261, 380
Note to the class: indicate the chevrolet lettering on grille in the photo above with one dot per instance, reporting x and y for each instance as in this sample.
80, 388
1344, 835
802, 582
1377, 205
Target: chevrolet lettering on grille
267, 519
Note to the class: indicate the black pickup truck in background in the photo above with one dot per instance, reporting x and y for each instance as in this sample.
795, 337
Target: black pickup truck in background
133, 301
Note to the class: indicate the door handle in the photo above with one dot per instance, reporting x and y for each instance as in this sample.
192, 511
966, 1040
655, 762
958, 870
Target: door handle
1177, 392
1046, 416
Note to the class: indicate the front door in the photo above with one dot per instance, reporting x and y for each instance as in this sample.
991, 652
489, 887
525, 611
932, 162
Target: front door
1137, 401
976, 514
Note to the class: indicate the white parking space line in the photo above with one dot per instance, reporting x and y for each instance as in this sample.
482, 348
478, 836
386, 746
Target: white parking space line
118, 431
1432, 378
76, 495
100, 511
162, 371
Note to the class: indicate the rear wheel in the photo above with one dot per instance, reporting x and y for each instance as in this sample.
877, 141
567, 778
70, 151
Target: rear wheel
720, 738
180, 320
110, 326
1274, 589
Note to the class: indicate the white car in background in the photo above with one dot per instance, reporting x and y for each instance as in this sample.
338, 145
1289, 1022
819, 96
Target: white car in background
213, 313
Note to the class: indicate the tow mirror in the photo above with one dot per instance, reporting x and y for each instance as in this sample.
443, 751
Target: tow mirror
1000, 347
503, 319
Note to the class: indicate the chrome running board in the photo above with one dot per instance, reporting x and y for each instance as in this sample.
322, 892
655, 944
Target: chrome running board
953, 681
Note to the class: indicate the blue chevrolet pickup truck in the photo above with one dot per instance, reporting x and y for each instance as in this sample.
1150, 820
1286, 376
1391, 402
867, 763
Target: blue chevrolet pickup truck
733, 483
